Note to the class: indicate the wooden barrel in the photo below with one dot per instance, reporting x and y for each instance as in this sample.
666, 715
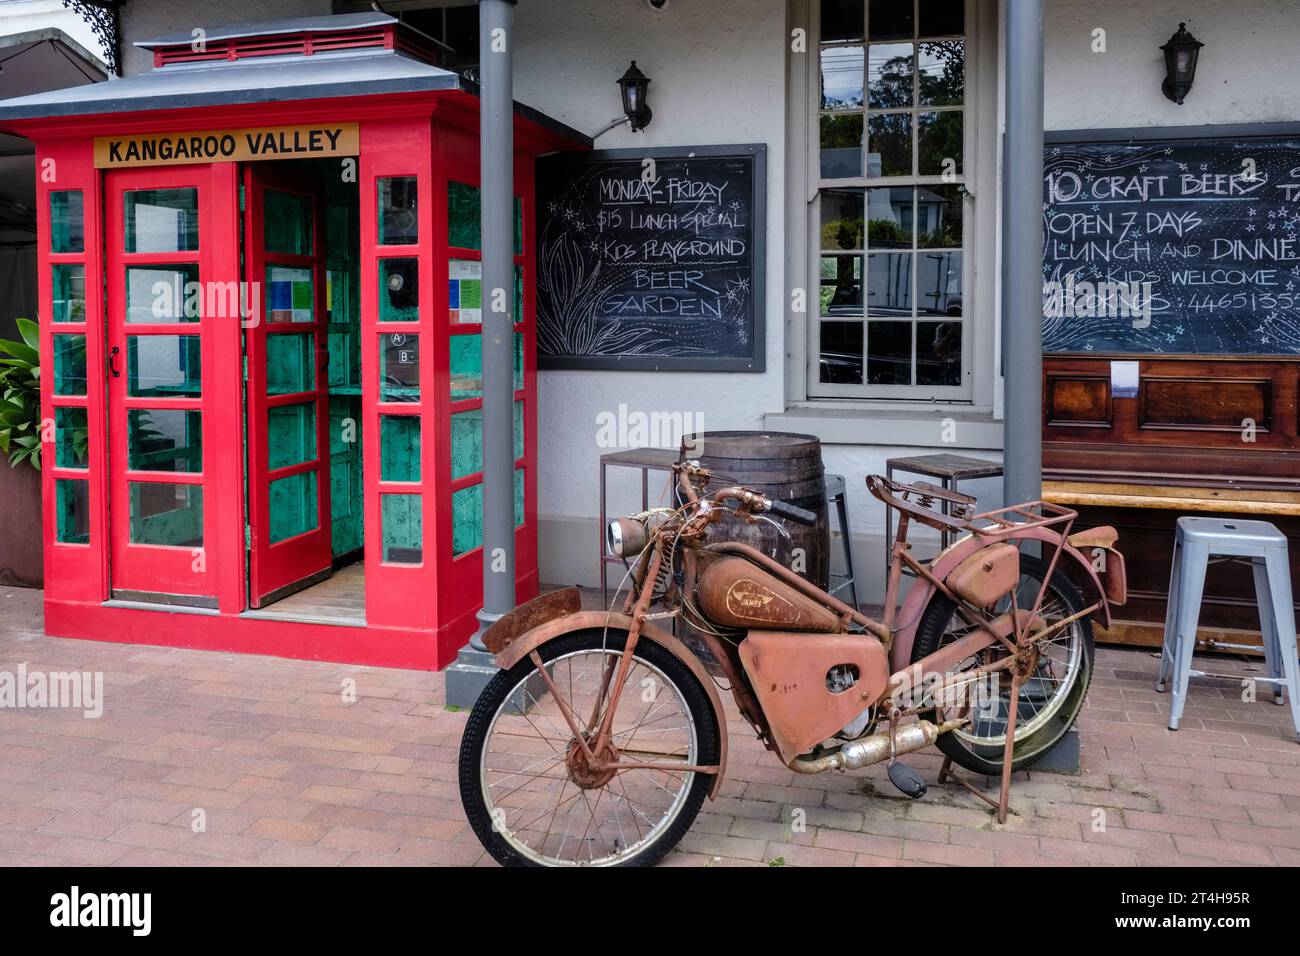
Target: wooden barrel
783, 466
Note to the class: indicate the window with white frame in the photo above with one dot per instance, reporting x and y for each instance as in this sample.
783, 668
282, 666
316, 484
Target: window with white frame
888, 239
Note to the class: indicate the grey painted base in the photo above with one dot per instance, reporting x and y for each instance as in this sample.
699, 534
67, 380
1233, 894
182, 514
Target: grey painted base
470, 674
1063, 758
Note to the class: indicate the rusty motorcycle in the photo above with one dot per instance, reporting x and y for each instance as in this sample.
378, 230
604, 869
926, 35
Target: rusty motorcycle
603, 732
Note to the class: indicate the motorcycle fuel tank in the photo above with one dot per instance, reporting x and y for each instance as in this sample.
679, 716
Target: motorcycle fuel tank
735, 593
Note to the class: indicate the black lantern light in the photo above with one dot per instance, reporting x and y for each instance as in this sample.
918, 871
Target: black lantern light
1180, 64
633, 85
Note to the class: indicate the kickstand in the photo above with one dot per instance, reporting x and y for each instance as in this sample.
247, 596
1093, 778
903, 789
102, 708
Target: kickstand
1002, 804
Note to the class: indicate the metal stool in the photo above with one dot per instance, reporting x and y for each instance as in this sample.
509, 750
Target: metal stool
1197, 541
835, 496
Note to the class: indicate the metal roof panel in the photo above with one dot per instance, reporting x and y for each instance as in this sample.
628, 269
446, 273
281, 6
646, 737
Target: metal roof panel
238, 31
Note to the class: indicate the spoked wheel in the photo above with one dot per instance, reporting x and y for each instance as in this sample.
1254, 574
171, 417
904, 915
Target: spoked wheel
1056, 676
535, 798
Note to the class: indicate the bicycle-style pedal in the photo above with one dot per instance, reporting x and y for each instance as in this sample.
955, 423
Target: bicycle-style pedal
907, 780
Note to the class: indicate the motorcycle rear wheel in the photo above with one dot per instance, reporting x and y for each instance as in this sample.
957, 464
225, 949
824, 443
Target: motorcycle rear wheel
1050, 700
527, 795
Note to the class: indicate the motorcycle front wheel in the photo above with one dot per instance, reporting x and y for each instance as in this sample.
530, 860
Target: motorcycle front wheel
1050, 699
529, 794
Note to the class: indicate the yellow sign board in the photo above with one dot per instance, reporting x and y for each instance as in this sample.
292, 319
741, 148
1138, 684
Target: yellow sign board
228, 145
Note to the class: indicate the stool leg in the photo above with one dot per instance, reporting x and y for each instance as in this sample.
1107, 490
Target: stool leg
1267, 625
842, 510
1279, 579
1169, 647
1192, 583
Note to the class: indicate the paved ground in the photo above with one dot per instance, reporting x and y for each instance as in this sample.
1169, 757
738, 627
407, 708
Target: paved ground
285, 772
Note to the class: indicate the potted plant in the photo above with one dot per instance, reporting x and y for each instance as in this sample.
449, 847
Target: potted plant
20, 440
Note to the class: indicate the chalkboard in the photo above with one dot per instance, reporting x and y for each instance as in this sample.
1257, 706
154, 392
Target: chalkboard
1209, 225
652, 259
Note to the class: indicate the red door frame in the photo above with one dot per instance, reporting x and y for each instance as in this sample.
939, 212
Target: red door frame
276, 568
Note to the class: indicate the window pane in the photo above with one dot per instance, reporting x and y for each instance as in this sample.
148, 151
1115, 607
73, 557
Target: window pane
67, 222
399, 367
842, 19
402, 519
842, 77
463, 216
519, 497
398, 220
939, 217
938, 283
163, 366
164, 439
841, 353
290, 363
841, 145
519, 226
519, 293
290, 434
943, 73
466, 519
519, 429
287, 227
71, 511
290, 294
889, 283
71, 434
294, 507
890, 20
68, 293
890, 217
841, 218
938, 353
466, 366
69, 365
939, 139
399, 447
466, 443
166, 514
841, 285
889, 353
889, 144
465, 302
890, 76
163, 294
943, 18
519, 360
161, 220
399, 290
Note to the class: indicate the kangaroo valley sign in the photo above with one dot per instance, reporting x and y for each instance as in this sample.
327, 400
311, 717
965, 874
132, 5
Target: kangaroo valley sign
227, 145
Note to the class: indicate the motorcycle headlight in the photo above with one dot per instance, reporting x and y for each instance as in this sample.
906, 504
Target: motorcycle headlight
625, 537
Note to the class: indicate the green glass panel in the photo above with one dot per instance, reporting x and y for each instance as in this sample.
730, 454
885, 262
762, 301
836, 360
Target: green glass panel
519, 497
161, 220
465, 291
290, 295
166, 514
402, 521
68, 292
69, 365
466, 519
290, 434
399, 290
163, 366
519, 293
399, 367
398, 211
290, 363
164, 439
519, 430
287, 224
399, 447
466, 366
71, 511
346, 524
519, 226
519, 361
71, 434
466, 443
163, 294
294, 506
67, 221
464, 212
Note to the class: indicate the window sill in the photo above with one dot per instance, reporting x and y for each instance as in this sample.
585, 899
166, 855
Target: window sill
860, 423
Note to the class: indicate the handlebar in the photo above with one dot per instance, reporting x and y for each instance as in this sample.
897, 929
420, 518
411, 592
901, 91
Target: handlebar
793, 512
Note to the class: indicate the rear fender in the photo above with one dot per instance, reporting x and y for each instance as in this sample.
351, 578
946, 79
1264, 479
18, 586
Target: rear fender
524, 644
914, 605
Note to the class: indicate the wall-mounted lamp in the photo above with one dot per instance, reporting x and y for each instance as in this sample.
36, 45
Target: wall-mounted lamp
1180, 64
634, 85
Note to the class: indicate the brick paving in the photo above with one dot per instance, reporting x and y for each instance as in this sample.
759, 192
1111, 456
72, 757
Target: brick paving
283, 771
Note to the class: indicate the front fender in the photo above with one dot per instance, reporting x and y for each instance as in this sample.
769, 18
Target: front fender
909, 615
524, 644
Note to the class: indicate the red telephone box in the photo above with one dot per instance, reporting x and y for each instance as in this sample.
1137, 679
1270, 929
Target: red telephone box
260, 302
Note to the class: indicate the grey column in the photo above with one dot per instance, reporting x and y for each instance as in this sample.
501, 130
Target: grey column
474, 667
1022, 252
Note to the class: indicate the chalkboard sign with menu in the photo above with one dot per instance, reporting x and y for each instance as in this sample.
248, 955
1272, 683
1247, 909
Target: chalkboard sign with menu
652, 259
1181, 245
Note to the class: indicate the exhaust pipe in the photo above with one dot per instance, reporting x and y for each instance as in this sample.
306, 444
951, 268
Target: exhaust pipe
874, 749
